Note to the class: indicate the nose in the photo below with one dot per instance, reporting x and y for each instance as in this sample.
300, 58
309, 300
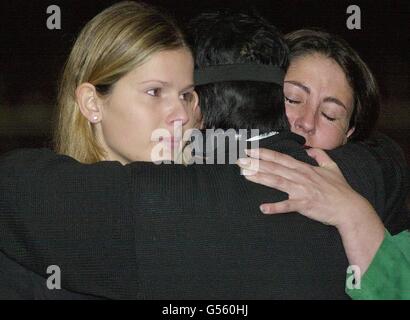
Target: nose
178, 112
305, 120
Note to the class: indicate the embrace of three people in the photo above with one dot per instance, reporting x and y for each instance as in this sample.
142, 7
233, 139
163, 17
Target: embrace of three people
283, 222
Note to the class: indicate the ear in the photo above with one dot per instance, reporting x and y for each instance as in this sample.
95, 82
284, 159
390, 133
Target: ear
88, 101
197, 111
350, 132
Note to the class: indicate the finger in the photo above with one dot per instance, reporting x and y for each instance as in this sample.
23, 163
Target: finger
324, 161
249, 164
247, 172
268, 167
321, 157
272, 181
286, 206
274, 156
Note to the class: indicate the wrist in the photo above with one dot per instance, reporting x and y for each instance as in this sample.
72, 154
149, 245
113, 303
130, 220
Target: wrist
362, 233
356, 215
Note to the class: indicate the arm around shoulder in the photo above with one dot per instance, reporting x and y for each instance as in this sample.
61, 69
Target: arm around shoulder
57, 211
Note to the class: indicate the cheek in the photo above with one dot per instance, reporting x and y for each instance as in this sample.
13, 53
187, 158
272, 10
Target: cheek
194, 118
328, 137
291, 115
128, 129
145, 120
126, 121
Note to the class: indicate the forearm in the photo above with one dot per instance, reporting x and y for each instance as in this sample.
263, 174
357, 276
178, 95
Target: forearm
55, 211
362, 233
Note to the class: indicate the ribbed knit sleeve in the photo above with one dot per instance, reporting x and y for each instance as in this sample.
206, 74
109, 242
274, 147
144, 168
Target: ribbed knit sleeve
377, 169
55, 210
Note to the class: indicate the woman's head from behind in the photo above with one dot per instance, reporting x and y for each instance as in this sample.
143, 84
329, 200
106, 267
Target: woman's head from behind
330, 93
129, 73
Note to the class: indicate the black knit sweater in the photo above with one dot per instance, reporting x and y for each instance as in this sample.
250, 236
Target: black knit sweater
151, 231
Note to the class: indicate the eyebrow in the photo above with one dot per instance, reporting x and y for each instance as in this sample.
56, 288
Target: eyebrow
191, 86
298, 84
327, 99
335, 101
153, 80
164, 83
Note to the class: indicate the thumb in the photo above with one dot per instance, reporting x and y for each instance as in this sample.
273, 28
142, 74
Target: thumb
321, 157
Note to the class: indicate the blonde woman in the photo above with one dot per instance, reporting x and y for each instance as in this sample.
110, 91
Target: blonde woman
129, 73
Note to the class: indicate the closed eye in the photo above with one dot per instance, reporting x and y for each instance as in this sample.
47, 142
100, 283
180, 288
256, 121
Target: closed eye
328, 118
291, 101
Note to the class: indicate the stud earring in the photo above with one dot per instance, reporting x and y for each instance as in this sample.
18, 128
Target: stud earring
95, 118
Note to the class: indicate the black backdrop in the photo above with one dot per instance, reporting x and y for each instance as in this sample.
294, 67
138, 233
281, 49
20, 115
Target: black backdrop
31, 56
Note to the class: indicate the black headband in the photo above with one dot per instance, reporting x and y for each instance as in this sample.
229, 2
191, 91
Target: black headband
239, 72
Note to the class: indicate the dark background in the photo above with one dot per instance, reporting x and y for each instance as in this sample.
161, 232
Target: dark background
31, 56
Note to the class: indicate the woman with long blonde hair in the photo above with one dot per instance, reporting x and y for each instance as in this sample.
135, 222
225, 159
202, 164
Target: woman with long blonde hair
129, 73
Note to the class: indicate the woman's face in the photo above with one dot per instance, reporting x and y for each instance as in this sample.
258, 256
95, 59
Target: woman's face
319, 101
156, 95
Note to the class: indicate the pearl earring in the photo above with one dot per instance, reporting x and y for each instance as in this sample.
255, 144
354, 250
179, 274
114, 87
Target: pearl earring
95, 118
